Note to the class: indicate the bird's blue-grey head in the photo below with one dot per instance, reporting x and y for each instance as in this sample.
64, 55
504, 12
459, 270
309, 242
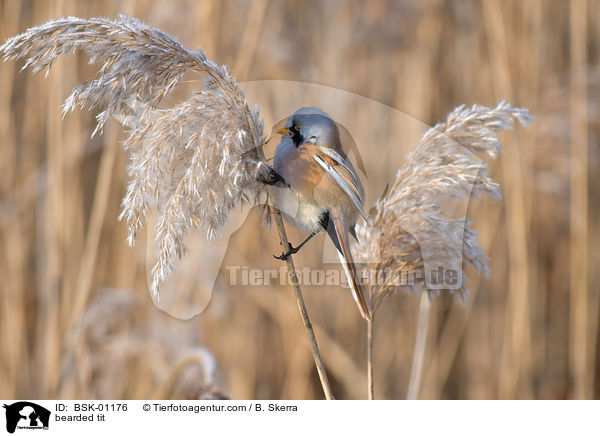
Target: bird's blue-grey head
311, 125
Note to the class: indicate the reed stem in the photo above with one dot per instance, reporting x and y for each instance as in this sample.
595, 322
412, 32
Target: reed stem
314, 347
416, 370
274, 209
370, 359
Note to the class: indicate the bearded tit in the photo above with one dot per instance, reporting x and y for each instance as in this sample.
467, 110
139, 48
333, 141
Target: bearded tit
318, 188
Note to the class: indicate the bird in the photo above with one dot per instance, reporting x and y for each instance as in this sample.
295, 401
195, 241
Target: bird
319, 188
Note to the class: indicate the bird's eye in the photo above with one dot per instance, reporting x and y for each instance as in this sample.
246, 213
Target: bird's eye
297, 127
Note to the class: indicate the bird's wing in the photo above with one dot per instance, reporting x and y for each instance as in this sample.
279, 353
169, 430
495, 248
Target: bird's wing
338, 231
343, 174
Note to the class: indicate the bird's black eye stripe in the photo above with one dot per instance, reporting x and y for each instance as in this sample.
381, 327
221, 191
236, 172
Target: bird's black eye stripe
296, 135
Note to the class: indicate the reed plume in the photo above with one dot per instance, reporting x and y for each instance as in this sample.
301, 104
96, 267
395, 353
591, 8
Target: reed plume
411, 217
193, 162
132, 354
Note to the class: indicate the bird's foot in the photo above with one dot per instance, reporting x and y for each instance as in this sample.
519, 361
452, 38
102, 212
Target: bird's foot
271, 177
292, 250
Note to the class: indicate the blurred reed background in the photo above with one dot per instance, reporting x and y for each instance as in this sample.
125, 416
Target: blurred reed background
76, 318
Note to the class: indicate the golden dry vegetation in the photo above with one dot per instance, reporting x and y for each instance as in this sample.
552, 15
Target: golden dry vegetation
76, 318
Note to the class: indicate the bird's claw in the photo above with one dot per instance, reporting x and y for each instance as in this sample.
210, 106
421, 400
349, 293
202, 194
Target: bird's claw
271, 177
284, 256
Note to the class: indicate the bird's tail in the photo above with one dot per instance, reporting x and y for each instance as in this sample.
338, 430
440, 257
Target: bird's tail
340, 232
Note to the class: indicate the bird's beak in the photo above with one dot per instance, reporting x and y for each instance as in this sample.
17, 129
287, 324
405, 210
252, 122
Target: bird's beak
283, 131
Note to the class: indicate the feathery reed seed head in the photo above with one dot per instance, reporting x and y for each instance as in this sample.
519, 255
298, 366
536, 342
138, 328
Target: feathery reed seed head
193, 162
410, 219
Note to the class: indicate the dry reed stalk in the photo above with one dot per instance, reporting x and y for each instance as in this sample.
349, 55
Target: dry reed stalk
579, 364
340, 362
422, 102
416, 371
14, 355
314, 347
52, 237
411, 217
531, 73
250, 38
194, 162
452, 335
517, 334
92, 239
370, 369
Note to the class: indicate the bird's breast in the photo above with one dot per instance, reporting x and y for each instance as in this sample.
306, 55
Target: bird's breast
313, 192
303, 214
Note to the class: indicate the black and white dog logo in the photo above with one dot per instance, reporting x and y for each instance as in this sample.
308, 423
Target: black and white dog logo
26, 415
